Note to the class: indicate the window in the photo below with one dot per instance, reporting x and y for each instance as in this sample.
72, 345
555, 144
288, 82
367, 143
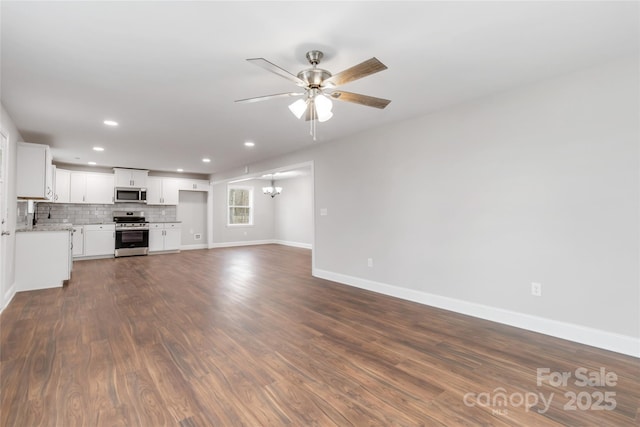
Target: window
240, 205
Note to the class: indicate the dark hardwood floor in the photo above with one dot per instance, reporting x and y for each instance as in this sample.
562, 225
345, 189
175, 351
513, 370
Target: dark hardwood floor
245, 336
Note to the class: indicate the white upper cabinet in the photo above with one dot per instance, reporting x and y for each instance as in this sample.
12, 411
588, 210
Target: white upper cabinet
194, 184
132, 178
89, 187
62, 186
162, 191
35, 172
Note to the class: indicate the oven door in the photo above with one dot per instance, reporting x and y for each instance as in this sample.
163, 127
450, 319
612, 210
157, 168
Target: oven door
132, 242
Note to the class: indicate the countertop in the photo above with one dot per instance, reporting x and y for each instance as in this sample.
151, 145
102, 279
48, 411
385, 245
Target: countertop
165, 222
46, 227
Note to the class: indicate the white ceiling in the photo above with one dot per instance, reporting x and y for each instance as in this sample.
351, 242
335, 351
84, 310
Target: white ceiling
169, 72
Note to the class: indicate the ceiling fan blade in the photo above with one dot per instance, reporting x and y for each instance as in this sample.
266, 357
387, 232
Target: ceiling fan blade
269, 66
369, 101
267, 97
364, 69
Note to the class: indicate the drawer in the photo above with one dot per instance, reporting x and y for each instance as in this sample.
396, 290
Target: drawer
99, 227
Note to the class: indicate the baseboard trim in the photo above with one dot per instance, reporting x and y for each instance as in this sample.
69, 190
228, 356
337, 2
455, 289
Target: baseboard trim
193, 247
240, 243
8, 297
594, 337
293, 244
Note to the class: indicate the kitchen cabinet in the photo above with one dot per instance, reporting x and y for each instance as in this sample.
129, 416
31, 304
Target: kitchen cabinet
62, 185
43, 259
130, 178
99, 240
34, 179
78, 241
194, 185
90, 187
164, 237
162, 191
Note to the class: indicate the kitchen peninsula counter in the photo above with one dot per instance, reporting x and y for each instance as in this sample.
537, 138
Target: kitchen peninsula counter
46, 227
43, 256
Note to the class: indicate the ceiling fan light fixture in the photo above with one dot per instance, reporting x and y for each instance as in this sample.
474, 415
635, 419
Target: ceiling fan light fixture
323, 107
324, 117
316, 105
298, 108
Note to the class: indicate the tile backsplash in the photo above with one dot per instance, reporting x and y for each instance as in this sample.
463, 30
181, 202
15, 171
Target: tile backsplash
54, 213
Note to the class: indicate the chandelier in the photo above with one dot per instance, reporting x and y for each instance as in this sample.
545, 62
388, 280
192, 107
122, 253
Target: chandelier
272, 190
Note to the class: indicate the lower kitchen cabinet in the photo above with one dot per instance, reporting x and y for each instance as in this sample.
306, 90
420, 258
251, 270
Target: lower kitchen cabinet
164, 237
78, 241
99, 240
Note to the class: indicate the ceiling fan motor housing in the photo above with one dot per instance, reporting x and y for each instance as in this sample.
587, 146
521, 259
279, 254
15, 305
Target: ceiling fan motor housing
314, 77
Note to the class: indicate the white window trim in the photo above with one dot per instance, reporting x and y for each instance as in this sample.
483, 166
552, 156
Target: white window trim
251, 205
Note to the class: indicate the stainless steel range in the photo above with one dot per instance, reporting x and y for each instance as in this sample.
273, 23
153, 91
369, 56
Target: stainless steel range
132, 233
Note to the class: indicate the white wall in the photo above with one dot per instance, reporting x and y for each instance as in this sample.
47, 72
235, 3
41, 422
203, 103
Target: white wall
464, 208
293, 212
8, 243
263, 224
192, 213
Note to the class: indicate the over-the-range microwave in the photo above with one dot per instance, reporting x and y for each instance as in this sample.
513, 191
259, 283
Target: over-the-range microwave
130, 195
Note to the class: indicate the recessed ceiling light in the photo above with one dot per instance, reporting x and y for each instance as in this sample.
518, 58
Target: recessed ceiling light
98, 149
92, 163
110, 123
206, 160
249, 144
180, 170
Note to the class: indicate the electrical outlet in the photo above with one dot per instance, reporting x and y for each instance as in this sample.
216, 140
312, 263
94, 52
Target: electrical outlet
369, 262
324, 212
162, 211
536, 289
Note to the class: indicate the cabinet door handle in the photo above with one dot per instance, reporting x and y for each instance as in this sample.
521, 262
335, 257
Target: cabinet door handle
6, 233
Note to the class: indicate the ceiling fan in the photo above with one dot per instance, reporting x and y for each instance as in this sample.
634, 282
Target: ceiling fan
320, 87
